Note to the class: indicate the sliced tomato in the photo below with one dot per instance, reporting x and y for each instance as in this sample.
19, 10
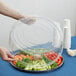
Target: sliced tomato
51, 55
55, 54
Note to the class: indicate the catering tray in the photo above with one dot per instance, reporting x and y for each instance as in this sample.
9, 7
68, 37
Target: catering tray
33, 71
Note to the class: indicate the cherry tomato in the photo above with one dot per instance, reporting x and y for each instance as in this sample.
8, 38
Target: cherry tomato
14, 62
53, 55
59, 61
61, 57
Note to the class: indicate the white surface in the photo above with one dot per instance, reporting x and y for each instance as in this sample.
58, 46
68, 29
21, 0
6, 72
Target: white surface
55, 9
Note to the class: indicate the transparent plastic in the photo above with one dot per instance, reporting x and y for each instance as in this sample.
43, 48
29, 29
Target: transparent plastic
38, 39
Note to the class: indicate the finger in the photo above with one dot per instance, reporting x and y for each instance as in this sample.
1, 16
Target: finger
5, 58
8, 59
3, 55
10, 55
28, 20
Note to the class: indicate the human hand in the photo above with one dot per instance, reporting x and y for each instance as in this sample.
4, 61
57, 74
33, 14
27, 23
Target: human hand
6, 55
28, 19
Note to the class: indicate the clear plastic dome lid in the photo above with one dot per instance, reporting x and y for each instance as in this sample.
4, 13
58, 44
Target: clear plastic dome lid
42, 40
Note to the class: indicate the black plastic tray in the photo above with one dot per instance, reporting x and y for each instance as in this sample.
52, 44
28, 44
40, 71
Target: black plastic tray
37, 71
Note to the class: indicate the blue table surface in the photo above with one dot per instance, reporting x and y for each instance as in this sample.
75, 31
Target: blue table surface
68, 69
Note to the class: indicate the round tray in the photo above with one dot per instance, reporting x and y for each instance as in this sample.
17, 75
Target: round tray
36, 71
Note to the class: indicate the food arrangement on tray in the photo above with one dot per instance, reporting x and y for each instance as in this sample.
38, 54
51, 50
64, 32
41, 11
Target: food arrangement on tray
38, 47
37, 62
